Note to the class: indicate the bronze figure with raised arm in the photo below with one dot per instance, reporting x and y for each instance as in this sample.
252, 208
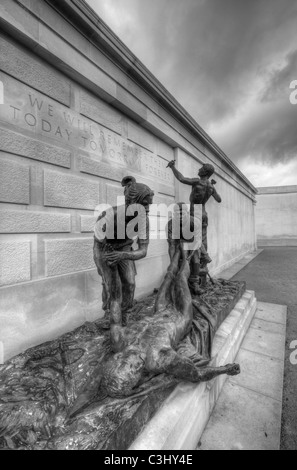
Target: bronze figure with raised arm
202, 191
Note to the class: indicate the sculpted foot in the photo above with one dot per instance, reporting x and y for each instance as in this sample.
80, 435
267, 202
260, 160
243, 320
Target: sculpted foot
207, 259
232, 369
195, 288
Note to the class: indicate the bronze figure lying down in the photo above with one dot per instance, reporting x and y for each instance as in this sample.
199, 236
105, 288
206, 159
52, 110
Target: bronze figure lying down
148, 347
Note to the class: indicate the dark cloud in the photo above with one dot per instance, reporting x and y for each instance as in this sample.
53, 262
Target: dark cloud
267, 131
267, 135
215, 48
278, 81
228, 62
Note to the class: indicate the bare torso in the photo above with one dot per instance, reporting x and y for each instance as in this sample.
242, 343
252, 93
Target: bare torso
165, 329
201, 192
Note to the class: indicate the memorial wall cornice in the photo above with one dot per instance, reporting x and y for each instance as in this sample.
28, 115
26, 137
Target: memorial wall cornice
277, 190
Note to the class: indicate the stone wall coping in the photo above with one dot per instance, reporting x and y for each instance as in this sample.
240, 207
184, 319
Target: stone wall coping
277, 190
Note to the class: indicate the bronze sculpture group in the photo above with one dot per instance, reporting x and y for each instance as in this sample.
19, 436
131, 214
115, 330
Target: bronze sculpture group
149, 347
117, 250
62, 394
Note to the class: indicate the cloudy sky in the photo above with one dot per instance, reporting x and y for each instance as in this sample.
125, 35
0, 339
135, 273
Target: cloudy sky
230, 64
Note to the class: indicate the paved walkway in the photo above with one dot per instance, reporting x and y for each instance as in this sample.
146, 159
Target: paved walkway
247, 415
273, 277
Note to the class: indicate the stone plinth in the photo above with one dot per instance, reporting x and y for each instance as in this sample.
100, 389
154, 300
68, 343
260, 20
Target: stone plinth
180, 422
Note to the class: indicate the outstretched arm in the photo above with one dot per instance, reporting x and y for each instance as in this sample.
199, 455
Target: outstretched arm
180, 177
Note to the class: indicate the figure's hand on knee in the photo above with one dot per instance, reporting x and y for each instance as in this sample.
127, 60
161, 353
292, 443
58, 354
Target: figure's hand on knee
115, 257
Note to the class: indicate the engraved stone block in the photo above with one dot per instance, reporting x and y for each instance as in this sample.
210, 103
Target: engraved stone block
141, 137
98, 111
18, 144
92, 167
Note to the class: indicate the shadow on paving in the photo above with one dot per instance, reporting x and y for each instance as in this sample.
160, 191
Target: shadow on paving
273, 276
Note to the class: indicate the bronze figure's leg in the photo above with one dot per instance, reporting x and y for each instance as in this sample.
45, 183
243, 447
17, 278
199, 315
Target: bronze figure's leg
183, 298
184, 369
163, 298
116, 321
127, 273
204, 235
105, 272
194, 279
205, 259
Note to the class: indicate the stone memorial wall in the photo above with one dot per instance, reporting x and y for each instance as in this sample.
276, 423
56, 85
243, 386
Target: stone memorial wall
79, 113
276, 216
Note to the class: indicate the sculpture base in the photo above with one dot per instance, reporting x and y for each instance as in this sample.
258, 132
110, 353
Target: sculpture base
38, 387
179, 424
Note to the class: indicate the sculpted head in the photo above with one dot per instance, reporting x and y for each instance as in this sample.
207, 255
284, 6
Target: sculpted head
126, 182
206, 170
137, 193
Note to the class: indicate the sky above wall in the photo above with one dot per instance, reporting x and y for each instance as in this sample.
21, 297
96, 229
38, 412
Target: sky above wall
230, 64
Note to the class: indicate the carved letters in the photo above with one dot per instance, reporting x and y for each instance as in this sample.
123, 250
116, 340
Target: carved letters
34, 112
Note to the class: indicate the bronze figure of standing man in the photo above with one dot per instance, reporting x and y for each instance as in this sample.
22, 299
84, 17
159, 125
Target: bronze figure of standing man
113, 239
202, 191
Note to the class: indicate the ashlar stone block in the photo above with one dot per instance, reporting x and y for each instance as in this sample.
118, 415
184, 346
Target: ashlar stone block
34, 72
65, 190
14, 182
68, 256
12, 221
15, 262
